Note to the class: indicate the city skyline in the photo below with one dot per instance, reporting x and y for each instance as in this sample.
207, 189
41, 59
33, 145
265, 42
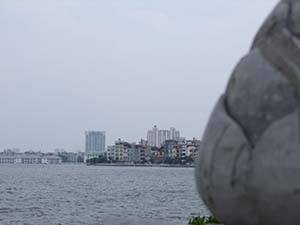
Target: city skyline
106, 143
119, 66
156, 137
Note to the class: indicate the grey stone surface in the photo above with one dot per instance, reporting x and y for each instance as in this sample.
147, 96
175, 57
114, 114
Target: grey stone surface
275, 21
258, 94
248, 170
294, 17
222, 170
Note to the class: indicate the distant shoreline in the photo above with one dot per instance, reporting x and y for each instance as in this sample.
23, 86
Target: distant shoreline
142, 165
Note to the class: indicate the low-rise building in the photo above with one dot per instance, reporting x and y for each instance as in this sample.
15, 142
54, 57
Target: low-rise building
171, 149
158, 155
7, 159
123, 151
71, 157
137, 153
51, 159
119, 151
28, 158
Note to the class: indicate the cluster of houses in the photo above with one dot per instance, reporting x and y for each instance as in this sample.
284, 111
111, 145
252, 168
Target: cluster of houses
170, 151
11, 157
176, 150
70, 157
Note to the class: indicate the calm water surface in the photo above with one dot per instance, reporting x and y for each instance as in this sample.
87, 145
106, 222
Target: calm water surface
79, 194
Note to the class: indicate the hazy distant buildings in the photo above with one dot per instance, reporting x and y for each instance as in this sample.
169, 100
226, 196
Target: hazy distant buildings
123, 151
94, 144
152, 136
119, 151
156, 137
171, 149
71, 157
137, 153
163, 135
174, 134
8, 157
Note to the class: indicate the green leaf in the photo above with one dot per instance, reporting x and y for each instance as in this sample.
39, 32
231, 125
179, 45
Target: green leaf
202, 220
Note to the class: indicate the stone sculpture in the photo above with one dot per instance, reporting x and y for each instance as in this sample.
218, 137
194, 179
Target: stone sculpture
248, 169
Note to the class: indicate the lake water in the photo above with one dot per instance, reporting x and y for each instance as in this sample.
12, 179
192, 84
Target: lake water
79, 194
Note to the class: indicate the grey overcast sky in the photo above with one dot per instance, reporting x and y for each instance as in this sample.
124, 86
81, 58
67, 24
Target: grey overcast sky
67, 66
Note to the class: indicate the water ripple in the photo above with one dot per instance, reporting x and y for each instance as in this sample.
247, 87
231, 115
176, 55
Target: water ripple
81, 195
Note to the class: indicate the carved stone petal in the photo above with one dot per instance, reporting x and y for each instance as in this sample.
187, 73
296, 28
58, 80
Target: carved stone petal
275, 21
223, 168
275, 178
294, 20
258, 94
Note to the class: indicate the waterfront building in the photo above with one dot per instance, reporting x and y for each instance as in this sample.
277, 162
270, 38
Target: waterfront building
182, 149
7, 159
71, 157
158, 155
171, 149
137, 153
94, 144
119, 151
123, 151
194, 142
194, 147
110, 154
29, 158
148, 153
191, 151
51, 159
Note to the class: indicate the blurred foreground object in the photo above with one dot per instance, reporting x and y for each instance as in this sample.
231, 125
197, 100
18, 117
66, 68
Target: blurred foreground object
248, 170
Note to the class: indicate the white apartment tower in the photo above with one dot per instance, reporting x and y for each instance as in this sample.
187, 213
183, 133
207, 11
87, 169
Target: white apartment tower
156, 137
152, 136
174, 134
163, 135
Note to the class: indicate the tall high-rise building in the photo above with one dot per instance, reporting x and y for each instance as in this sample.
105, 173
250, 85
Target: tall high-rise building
94, 144
174, 134
163, 135
177, 135
156, 137
152, 136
